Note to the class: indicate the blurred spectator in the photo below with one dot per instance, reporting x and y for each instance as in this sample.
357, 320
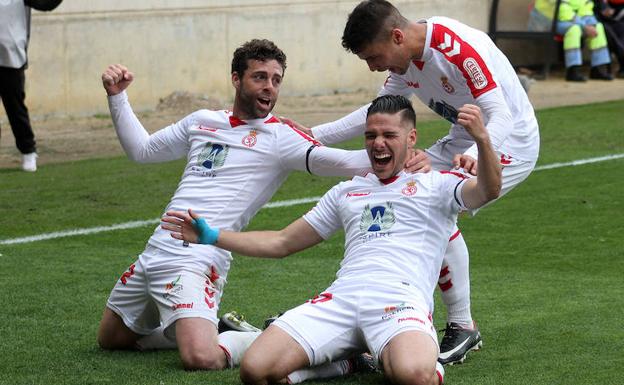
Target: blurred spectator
611, 14
14, 35
576, 21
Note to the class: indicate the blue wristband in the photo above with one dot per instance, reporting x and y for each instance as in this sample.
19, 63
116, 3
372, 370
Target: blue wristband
207, 235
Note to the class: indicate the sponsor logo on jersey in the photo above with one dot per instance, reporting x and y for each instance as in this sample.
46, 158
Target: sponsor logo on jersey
505, 160
182, 306
251, 139
376, 221
213, 155
448, 87
475, 73
409, 189
358, 194
204, 128
412, 84
450, 47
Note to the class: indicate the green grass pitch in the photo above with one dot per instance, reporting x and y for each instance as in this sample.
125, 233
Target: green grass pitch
547, 266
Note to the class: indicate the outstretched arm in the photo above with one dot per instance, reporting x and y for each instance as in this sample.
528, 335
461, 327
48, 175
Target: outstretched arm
297, 236
486, 186
164, 145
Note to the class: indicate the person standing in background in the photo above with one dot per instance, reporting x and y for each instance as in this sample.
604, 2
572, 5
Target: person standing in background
14, 36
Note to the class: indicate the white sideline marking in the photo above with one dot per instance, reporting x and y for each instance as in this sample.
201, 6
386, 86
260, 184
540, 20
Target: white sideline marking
579, 162
286, 203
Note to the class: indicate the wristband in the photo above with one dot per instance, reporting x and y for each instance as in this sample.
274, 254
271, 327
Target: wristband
206, 234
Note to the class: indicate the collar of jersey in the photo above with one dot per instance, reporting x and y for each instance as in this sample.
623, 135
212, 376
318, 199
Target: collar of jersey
235, 122
386, 181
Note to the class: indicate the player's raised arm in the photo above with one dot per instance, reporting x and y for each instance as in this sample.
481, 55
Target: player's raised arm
486, 187
189, 227
164, 145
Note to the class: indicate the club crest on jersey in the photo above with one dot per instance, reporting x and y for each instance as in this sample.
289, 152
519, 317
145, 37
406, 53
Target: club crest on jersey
251, 139
376, 221
213, 155
409, 189
448, 87
475, 73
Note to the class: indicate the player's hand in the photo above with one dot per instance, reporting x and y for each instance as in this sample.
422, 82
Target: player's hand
590, 30
469, 116
297, 125
116, 78
417, 161
467, 162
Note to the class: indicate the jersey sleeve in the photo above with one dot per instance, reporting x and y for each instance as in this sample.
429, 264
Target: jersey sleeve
169, 143
299, 151
396, 85
324, 217
450, 184
498, 117
343, 129
461, 52
327, 161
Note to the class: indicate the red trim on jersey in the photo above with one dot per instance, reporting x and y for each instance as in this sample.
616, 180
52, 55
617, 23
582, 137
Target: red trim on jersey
306, 136
446, 285
454, 236
478, 76
444, 271
235, 122
389, 180
272, 119
457, 174
419, 64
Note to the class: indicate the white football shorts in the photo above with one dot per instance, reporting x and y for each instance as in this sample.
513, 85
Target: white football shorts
147, 299
513, 173
353, 316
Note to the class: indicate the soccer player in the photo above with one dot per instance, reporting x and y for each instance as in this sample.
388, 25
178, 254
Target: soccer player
396, 227
236, 161
446, 64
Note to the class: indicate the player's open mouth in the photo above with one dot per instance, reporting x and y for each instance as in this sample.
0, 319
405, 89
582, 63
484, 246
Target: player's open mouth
265, 102
382, 159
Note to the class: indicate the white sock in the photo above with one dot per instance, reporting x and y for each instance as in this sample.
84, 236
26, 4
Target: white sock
235, 344
440, 373
454, 281
156, 340
332, 369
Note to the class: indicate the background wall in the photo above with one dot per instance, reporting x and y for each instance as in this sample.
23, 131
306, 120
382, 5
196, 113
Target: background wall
187, 45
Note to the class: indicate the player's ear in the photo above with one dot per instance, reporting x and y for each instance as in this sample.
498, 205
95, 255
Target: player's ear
398, 37
236, 80
412, 137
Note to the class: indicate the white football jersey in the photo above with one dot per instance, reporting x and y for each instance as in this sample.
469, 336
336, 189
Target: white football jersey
233, 169
460, 65
396, 231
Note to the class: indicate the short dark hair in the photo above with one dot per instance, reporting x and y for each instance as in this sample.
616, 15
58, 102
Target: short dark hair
256, 49
391, 104
368, 21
